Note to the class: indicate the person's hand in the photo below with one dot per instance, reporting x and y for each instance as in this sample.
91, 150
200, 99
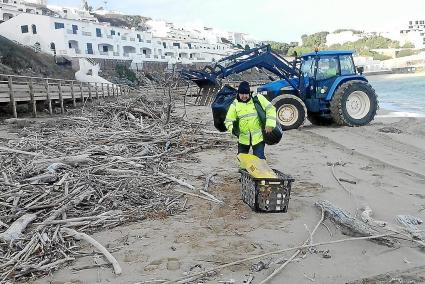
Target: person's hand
269, 130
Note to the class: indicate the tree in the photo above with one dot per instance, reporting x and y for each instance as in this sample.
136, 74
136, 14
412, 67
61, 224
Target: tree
408, 44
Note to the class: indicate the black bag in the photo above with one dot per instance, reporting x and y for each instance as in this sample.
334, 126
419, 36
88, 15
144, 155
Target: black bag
275, 136
220, 106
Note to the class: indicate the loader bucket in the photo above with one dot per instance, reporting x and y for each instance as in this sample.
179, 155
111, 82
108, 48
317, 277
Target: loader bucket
201, 78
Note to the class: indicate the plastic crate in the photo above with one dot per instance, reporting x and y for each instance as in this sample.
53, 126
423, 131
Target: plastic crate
266, 195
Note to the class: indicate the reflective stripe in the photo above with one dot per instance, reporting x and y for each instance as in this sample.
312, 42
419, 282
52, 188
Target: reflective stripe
257, 132
269, 106
229, 120
248, 115
271, 117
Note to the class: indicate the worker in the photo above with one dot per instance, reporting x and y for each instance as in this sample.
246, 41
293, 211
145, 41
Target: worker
243, 112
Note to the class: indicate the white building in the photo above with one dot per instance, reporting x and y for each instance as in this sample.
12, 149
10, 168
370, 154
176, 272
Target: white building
415, 33
75, 33
342, 37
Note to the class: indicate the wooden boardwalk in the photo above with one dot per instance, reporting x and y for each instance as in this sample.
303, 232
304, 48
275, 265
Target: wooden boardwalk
31, 90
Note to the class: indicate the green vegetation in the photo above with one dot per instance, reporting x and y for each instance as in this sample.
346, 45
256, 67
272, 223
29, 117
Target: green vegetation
125, 73
356, 32
363, 46
407, 52
408, 44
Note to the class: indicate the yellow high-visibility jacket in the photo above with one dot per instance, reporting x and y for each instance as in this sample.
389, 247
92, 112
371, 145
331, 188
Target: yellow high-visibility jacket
249, 122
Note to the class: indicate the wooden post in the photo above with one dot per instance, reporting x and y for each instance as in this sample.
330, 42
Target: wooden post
82, 92
97, 91
74, 103
109, 91
121, 91
113, 90
61, 97
33, 102
103, 91
12, 97
90, 94
49, 99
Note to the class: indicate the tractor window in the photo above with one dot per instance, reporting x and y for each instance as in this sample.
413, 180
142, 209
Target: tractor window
307, 67
327, 67
347, 66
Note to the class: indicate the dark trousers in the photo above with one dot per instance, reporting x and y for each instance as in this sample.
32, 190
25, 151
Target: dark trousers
257, 150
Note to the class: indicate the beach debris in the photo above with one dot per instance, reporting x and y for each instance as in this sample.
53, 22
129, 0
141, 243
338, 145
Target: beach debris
259, 266
350, 225
62, 180
390, 129
411, 223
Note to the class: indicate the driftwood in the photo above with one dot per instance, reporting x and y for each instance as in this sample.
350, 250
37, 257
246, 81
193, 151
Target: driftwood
350, 225
411, 223
97, 245
15, 230
92, 170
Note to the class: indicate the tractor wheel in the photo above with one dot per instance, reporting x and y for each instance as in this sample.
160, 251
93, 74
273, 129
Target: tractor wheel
354, 104
317, 119
290, 111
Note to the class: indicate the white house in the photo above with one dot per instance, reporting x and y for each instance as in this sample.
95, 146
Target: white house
75, 33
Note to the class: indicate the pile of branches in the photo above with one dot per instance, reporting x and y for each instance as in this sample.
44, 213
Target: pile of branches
98, 168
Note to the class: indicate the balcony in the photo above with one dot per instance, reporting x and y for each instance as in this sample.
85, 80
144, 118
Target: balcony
123, 37
132, 39
105, 53
86, 33
109, 36
116, 54
71, 32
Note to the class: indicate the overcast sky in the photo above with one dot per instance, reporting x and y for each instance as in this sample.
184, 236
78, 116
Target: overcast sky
279, 20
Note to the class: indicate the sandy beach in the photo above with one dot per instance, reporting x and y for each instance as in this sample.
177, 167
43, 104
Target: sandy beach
386, 160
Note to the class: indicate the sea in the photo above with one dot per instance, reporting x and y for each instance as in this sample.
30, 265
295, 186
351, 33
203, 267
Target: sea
400, 95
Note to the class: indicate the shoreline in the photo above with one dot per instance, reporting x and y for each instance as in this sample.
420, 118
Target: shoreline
396, 76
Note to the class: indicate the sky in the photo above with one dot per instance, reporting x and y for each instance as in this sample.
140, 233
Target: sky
278, 20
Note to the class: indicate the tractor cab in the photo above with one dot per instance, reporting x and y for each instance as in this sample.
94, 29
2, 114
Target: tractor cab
322, 69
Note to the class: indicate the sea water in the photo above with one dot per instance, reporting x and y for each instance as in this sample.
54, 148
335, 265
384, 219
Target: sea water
402, 95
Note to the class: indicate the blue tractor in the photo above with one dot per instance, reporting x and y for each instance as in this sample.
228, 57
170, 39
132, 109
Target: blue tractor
323, 86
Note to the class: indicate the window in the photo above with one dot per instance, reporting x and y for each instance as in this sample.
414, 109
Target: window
307, 67
24, 29
69, 44
112, 32
327, 67
347, 65
98, 32
105, 48
59, 26
34, 29
74, 29
89, 48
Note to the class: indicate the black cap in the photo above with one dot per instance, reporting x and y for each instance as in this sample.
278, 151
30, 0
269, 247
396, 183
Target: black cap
244, 88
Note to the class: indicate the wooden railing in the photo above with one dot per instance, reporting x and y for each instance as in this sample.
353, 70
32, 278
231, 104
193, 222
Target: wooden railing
23, 89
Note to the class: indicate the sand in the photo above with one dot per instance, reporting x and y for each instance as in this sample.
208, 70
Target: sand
386, 159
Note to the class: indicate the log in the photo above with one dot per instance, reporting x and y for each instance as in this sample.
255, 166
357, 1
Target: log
97, 245
5, 149
69, 160
350, 225
15, 230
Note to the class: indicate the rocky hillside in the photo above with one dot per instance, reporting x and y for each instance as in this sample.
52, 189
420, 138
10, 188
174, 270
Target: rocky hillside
19, 60
124, 21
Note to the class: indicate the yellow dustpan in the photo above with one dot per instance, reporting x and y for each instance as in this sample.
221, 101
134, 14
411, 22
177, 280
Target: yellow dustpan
256, 167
